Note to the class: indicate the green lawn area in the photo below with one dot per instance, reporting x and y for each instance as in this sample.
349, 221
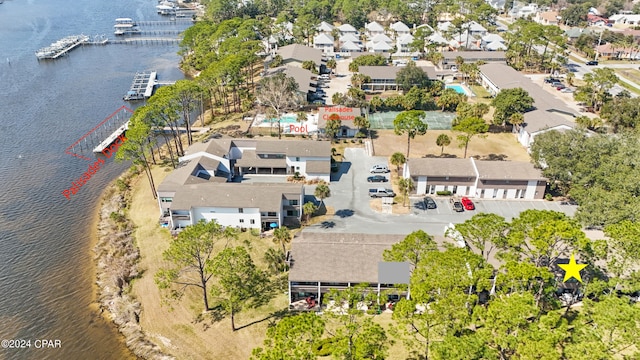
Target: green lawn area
481, 93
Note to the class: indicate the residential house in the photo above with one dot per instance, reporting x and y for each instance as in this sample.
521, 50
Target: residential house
549, 113
627, 19
257, 205
325, 27
296, 54
347, 29
465, 40
346, 114
489, 38
321, 262
373, 29
384, 77
400, 28
349, 46
303, 77
597, 20
403, 43
438, 39
323, 42
495, 46
449, 57
547, 18
445, 26
379, 47
475, 29
610, 51
497, 4
519, 11
476, 178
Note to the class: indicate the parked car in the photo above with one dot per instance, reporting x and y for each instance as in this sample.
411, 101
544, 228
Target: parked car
567, 90
591, 63
381, 192
556, 84
551, 80
467, 203
379, 169
377, 178
456, 205
429, 203
560, 87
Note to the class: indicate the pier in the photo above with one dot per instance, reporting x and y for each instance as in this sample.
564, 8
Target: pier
61, 47
142, 86
111, 138
82, 147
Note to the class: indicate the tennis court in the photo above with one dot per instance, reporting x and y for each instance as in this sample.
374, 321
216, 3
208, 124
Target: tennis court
435, 119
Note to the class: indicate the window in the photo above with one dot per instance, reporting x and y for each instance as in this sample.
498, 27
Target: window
240, 210
166, 199
297, 158
252, 222
241, 221
293, 202
292, 213
271, 213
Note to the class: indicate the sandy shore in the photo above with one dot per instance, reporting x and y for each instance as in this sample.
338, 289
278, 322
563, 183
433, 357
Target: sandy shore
116, 259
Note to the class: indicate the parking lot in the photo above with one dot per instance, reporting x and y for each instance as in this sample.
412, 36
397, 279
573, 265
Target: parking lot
350, 199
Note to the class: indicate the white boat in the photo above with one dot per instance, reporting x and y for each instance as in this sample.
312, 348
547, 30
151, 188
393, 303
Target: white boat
166, 8
125, 21
125, 26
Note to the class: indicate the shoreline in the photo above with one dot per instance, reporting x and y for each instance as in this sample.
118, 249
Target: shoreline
116, 258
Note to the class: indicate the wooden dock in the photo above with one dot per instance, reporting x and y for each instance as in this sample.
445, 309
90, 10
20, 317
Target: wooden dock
61, 47
111, 138
142, 86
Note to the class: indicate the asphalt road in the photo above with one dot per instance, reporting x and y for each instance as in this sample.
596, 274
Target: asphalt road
350, 199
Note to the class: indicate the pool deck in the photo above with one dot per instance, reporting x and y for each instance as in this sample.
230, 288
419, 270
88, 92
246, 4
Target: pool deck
466, 89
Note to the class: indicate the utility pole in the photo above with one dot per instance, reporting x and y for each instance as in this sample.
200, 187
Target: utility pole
599, 42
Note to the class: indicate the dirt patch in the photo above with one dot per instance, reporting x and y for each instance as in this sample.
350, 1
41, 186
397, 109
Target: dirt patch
502, 144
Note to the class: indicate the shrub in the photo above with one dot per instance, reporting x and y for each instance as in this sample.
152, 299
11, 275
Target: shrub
360, 135
443, 192
548, 197
255, 232
274, 134
249, 136
122, 185
359, 141
289, 135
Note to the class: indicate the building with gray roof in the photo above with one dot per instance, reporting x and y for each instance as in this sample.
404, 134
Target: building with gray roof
476, 178
549, 112
384, 77
320, 262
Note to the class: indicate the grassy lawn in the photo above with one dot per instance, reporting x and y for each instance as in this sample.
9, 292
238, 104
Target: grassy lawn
179, 327
632, 75
482, 94
499, 144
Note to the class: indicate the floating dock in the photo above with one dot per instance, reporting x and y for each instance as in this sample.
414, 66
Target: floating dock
61, 47
109, 140
142, 86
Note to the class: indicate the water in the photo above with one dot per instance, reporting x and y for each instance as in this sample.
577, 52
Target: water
46, 270
458, 88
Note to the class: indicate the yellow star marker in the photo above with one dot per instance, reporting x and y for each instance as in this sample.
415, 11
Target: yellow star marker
572, 270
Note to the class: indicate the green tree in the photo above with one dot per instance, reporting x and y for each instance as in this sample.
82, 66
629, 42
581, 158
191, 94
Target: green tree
333, 126
240, 284
355, 335
412, 248
623, 245
282, 236
308, 209
291, 338
450, 99
410, 76
406, 185
597, 86
278, 93
469, 128
305, 27
410, 122
189, 253
137, 148
367, 60
188, 94
361, 122
398, 159
322, 191
442, 141
310, 65
485, 232
509, 102
358, 80
516, 119
621, 113
331, 64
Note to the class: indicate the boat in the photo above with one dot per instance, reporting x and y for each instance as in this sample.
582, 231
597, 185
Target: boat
125, 26
166, 8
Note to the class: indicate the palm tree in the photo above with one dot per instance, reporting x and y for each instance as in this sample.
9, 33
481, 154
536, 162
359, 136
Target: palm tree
308, 209
331, 64
398, 159
322, 192
516, 119
282, 236
570, 77
442, 141
406, 186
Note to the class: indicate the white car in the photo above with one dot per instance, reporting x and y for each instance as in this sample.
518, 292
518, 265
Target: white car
379, 169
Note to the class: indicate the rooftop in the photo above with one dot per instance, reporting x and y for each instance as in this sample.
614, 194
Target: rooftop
300, 53
508, 170
441, 167
338, 257
473, 56
390, 72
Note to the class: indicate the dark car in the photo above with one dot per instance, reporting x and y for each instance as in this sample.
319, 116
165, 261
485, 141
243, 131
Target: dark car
377, 178
560, 87
591, 63
429, 203
551, 80
467, 203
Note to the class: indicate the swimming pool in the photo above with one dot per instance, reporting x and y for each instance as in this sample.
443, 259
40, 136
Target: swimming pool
284, 119
459, 89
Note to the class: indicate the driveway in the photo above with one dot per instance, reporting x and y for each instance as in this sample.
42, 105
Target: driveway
350, 199
339, 82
